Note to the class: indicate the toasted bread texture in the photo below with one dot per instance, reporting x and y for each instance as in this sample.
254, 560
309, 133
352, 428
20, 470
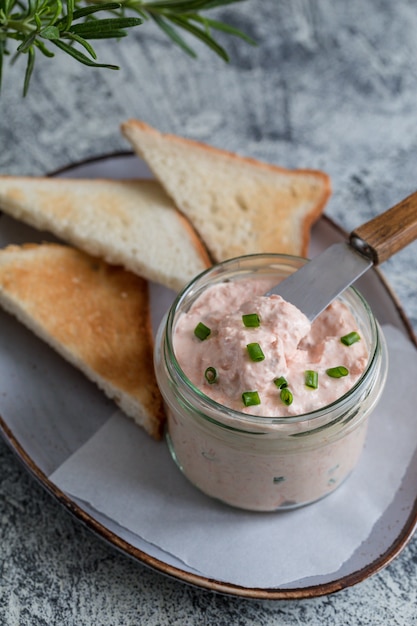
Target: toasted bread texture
95, 315
128, 222
238, 205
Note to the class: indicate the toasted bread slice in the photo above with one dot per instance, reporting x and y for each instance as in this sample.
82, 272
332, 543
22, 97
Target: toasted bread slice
238, 205
128, 222
95, 315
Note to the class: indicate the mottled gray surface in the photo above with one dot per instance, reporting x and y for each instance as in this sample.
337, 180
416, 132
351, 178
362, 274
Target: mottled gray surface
331, 85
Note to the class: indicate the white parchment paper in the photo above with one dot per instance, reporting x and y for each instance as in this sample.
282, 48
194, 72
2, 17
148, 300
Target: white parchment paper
131, 479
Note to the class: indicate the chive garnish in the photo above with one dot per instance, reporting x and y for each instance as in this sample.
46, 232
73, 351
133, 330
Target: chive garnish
286, 396
255, 352
202, 331
250, 398
251, 320
350, 338
337, 372
280, 382
311, 379
211, 375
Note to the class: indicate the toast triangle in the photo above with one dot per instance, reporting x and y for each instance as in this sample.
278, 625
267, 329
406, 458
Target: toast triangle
238, 205
128, 222
95, 315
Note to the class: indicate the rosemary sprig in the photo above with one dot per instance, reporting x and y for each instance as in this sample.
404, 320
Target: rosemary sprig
33, 26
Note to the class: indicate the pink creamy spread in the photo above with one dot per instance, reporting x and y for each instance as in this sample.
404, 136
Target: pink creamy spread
291, 346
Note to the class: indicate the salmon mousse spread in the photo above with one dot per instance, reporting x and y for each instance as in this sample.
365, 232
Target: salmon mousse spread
262, 356
265, 410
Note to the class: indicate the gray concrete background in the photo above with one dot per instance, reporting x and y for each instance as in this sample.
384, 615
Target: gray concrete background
331, 85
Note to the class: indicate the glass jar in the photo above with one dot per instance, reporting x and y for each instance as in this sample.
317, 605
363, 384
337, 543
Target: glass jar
265, 463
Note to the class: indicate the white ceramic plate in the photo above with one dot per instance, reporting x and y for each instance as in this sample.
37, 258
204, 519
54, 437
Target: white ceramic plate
44, 439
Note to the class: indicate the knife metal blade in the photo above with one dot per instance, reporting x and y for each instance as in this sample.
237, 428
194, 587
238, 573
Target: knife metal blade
321, 280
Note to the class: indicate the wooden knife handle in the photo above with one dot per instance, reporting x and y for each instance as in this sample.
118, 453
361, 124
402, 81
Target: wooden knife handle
389, 232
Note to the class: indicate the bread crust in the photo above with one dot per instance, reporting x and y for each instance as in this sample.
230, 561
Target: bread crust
221, 153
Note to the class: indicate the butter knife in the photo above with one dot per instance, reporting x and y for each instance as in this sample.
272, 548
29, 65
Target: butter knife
321, 280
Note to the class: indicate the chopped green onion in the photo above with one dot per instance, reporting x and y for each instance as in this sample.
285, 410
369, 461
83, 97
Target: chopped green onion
211, 375
251, 320
350, 338
250, 398
280, 382
255, 352
202, 331
311, 379
286, 396
337, 372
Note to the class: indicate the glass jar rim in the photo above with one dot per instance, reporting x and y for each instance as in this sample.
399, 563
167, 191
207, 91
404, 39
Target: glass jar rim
248, 419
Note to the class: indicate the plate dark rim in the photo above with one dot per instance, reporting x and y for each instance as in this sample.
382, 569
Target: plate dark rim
196, 580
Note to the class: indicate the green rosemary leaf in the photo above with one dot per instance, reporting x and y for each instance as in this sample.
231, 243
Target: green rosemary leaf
42, 48
27, 43
83, 43
79, 56
70, 12
179, 6
114, 34
29, 70
187, 6
182, 22
89, 10
174, 35
50, 32
6, 7
31, 8
105, 25
109, 6
57, 13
